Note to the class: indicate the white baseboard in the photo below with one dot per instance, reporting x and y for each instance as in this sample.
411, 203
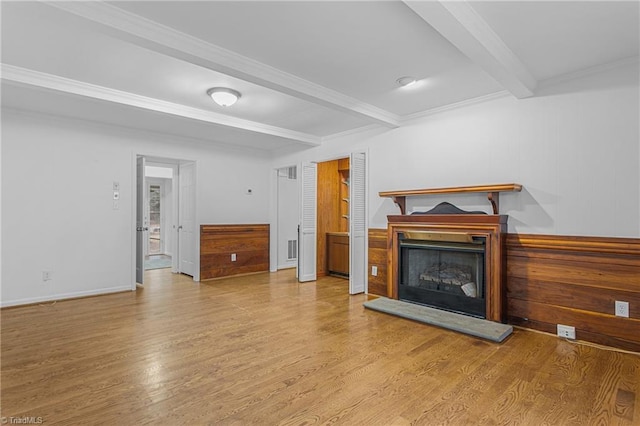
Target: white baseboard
54, 297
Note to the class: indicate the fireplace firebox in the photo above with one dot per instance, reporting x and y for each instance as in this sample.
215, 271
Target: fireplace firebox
448, 261
443, 271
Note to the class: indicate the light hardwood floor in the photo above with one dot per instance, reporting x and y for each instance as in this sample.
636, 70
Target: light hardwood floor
265, 350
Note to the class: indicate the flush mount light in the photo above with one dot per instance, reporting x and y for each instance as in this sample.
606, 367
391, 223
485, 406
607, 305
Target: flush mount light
224, 96
406, 81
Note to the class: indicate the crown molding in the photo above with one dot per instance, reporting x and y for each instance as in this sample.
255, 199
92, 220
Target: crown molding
356, 131
144, 132
588, 71
462, 26
467, 102
167, 41
66, 85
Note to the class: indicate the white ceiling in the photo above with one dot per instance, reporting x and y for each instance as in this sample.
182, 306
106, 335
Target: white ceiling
306, 70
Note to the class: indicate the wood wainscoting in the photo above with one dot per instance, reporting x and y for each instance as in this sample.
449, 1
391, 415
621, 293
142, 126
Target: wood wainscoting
559, 280
378, 258
575, 281
250, 243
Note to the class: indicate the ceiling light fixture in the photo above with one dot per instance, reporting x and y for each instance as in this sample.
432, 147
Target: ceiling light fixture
224, 96
406, 81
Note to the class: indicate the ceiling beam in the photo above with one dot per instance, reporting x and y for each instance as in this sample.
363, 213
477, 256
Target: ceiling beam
463, 27
53, 82
167, 41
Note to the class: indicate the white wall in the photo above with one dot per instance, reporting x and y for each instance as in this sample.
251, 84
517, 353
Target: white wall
57, 213
575, 147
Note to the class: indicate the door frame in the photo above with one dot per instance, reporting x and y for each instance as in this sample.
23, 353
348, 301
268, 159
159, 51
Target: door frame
274, 209
274, 230
167, 161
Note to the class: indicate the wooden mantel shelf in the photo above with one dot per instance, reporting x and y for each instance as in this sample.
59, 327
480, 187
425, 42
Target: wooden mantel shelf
493, 193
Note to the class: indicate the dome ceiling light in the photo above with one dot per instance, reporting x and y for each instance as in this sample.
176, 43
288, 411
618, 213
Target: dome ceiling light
406, 81
224, 96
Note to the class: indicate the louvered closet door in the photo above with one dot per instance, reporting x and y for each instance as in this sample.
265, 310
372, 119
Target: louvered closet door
357, 223
307, 232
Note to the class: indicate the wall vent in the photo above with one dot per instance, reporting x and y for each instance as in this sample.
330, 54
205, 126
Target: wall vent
288, 172
292, 249
292, 173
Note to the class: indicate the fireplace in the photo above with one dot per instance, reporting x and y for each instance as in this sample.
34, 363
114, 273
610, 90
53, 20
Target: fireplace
448, 261
443, 271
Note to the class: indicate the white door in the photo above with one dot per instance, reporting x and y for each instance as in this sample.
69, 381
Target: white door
357, 223
141, 226
307, 224
187, 220
147, 211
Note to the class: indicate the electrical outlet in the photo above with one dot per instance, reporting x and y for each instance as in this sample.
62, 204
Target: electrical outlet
622, 309
233, 257
566, 331
374, 271
47, 276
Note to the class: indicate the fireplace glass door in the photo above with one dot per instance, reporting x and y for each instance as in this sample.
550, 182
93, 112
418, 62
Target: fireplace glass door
443, 274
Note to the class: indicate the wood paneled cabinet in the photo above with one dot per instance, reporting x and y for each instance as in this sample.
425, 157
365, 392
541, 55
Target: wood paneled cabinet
338, 253
333, 215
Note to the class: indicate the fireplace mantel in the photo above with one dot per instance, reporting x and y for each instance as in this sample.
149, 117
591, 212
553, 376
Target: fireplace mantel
491, 227
492, 191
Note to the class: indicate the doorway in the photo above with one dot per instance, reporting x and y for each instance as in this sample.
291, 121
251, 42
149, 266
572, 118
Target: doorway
165, 220
159, 213
287, 216
347, 209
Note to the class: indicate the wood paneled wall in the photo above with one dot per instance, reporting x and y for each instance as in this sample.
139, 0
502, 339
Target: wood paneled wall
559, 280
575, 281
250, 243
378, 257
328, 210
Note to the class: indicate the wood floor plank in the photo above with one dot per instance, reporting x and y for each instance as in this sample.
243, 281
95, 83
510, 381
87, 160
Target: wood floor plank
264, 349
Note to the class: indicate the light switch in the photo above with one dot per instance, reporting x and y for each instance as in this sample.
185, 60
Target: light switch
116, 195
116, 186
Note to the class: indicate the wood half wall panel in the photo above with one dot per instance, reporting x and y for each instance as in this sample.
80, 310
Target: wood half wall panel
571, 280
582, 320
250, 243
378, 258
575, 281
